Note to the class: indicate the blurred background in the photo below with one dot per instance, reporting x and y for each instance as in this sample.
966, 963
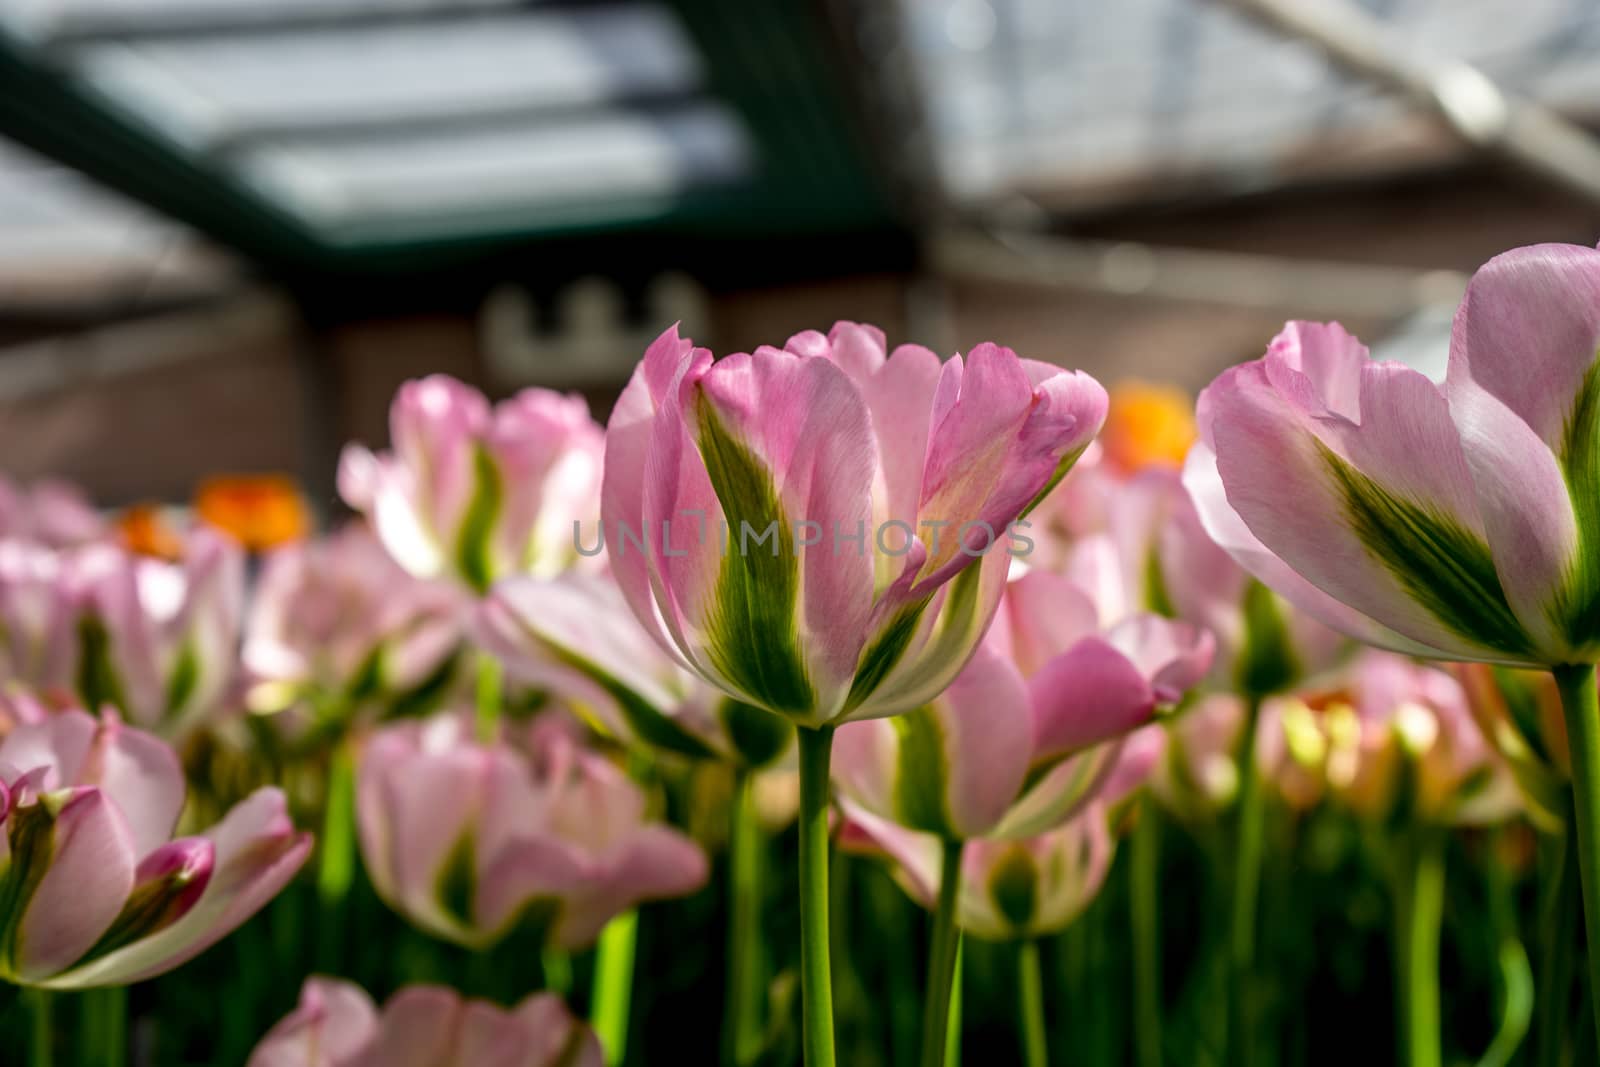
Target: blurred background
229, 228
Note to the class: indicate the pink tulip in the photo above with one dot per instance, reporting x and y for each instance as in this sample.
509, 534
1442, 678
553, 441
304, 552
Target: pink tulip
157, 640
337, 1025
575, 637
1391, 737
1031, 727
1452, 522
1010, 889
474, 492
97, 890
336, 622
1138, 544
467, 839
797, 524
38, 635
50, 513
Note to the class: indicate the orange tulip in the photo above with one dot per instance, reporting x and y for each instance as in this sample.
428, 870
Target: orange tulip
260, 511
1147, 426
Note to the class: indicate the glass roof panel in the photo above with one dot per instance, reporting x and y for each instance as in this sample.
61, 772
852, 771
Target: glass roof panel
1037, 95
406, 181
52, 18
205, 87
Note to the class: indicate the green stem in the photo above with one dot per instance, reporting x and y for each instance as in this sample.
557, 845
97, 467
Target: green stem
41, 1048
942, 957
336, 858
613, 985
1030, 995
952, 1030
1516, 992
110, 1009
488, 698
1582, 712
1558, 935
816, 984
1145, 891
1419, 910
1246, 891
741, 1025
557, 968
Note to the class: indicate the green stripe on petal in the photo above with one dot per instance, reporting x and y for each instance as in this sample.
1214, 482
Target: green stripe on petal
30, 833
1577, 610
98, 683
752, 625
457, 887
1068, 461
473, 557
182, 682
880, 657
922, 773
151, 908
1441, 565
1156, 597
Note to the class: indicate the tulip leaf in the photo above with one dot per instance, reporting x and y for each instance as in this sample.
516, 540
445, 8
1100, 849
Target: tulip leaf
473, 557
1577, 609
922, 773
752, 622
1440, 564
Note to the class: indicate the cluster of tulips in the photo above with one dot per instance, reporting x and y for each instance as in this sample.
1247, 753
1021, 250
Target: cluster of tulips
909, 604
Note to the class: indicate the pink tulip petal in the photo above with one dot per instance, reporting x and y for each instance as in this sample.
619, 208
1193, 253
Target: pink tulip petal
553, 1032
88, 851
334, 1022
257, 852
1091, 693
1224, 525
655, 863
951, 768
1266, 436
807, 426
420, 1026
1527, 333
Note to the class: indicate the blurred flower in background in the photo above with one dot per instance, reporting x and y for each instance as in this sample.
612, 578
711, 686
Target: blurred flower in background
476, 492
48, 512
468, 839
95, 889
337, 1025
259, 511
1391, 741
336, 626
